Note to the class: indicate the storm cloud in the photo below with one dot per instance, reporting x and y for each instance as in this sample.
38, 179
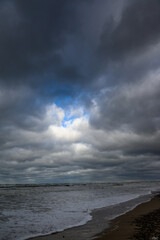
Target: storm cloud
79, 90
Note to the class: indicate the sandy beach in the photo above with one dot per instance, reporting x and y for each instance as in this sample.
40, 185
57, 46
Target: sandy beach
141, 223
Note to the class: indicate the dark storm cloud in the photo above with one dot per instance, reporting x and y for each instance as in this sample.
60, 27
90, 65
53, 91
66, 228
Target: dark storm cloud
49, 41
128, 44
19, 107
33, 33
132, 107
137, 29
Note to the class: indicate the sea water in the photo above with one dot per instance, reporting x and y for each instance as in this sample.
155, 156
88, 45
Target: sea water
32, 210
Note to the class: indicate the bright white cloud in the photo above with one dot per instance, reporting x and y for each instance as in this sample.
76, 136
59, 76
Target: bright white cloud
60, 133
54, 115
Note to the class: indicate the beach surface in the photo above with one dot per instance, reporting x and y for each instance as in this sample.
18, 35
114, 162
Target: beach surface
141, 223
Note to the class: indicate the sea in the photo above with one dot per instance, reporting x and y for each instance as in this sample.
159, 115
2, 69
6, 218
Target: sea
35, 210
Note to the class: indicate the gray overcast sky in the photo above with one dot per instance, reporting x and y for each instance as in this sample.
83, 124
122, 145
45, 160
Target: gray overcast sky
79, 90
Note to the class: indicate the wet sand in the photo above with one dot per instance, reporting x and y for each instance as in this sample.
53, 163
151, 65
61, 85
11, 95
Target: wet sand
141, 223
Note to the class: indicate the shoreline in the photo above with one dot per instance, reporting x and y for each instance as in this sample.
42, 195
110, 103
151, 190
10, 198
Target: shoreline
143, 222
99, 226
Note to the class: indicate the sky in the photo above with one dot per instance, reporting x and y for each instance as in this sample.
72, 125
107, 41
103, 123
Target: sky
79, 91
